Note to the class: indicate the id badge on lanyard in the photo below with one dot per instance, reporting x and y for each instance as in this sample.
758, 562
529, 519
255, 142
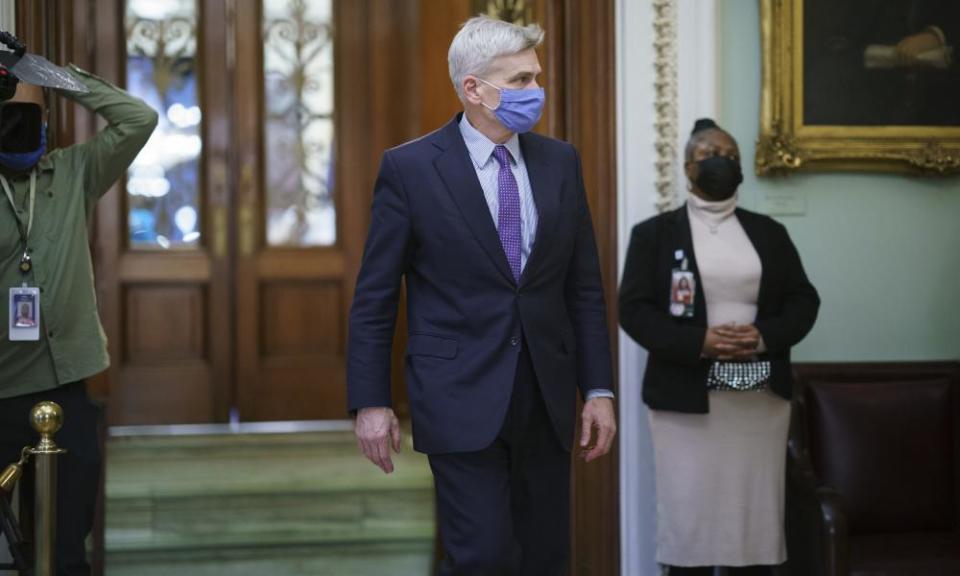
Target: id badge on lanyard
24, 315
683, 289
23, 309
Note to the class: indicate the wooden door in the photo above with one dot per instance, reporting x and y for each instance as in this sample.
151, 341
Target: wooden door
227, 256
294, 284
295, 235
162, 246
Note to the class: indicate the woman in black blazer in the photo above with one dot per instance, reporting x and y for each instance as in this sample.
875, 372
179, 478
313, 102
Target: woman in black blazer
718, 379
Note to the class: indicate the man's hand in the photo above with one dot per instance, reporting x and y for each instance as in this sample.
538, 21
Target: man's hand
377, 429
597, 413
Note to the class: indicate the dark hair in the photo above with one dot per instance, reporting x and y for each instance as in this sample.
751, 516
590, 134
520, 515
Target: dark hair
703, 124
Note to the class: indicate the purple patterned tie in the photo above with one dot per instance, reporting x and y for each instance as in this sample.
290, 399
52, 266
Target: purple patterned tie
508, 218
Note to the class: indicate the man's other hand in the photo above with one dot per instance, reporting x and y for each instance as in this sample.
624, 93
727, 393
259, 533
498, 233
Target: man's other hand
597, 413
377, 429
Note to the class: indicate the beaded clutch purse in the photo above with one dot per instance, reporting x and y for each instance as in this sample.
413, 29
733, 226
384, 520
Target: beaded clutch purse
739, 376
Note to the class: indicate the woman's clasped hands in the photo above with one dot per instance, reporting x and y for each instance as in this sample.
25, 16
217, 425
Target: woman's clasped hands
732, 341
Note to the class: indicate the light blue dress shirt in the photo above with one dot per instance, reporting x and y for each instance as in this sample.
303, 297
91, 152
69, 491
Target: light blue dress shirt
488, 170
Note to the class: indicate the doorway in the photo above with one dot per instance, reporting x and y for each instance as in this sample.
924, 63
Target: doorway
225, 257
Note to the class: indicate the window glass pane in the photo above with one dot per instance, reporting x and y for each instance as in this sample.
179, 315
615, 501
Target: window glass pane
298, 124
163, 183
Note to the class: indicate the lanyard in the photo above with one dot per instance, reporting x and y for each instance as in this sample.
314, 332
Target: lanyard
24, 234
25, 261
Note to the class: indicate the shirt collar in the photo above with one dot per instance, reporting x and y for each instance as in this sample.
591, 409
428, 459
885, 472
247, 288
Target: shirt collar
481, 148
44, 165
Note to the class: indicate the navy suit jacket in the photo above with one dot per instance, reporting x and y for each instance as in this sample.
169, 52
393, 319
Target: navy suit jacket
467, 317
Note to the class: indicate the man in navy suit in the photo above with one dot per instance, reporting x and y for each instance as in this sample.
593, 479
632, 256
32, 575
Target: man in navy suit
489, 226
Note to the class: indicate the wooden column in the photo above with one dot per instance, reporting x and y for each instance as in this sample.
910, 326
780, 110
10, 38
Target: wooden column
590, 125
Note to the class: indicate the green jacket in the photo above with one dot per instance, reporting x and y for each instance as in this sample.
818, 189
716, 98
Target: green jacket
72, 343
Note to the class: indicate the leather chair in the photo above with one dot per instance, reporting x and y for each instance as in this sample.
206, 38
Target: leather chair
874, 472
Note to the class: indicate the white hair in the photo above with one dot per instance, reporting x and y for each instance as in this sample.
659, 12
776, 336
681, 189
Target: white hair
483, 39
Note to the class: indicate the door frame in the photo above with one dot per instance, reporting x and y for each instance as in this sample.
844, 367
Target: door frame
590, 123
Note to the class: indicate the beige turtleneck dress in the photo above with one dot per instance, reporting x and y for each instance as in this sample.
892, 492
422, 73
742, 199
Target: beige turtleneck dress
720, 476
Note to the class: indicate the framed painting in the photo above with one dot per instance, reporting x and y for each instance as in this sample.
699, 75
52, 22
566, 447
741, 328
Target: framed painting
860, 85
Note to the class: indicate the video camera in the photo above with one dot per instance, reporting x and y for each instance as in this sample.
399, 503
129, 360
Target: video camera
17, 65
19, 121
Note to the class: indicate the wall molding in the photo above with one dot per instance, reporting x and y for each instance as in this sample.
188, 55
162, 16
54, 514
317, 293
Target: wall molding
636, 201
665, 105
666, 78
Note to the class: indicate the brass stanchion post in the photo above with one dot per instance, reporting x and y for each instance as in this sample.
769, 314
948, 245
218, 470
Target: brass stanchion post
46, 418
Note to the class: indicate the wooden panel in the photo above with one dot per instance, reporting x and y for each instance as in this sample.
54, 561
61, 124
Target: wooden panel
396, 58
218, 147
290, 351
393, 61
304, 318
178, 393
166, 313
589, 64
552, 16
304, 388
105, 43
292, 264
247, 118
163, 266
164, 324
439, 23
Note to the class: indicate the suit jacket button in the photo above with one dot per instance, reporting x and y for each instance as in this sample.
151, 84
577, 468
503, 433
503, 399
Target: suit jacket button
514, 341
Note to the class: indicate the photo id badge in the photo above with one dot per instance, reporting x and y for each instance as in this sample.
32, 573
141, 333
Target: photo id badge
24, 314
683, 289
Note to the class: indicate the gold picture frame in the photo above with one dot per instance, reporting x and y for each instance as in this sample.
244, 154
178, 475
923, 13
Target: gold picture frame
786, 143
519, 12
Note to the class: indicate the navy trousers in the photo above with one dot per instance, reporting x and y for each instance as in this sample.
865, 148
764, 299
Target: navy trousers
505, 510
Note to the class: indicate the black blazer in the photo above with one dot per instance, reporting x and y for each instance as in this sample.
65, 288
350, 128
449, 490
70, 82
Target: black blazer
676, 375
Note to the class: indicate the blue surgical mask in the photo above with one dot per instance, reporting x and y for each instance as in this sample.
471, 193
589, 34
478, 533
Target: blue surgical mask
23, 161
519, 109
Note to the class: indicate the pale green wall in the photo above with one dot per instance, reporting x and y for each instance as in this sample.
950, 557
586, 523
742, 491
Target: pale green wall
883, 250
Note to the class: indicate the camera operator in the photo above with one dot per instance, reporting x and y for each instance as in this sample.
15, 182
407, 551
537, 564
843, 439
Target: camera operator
48, 201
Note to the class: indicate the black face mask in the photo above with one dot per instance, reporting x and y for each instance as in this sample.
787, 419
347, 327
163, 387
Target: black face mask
20, 127
718, 177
